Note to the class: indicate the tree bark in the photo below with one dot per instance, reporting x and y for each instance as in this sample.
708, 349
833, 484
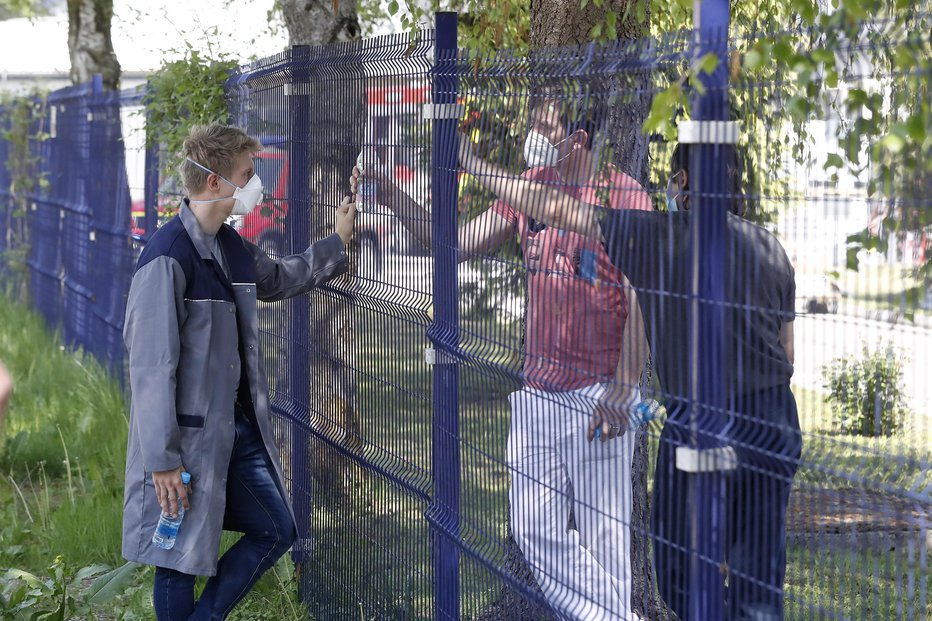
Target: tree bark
319, 22
559, 23
89, 44
337, 102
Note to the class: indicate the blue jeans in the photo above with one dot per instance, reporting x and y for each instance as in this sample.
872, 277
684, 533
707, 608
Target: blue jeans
765, 434
254, 507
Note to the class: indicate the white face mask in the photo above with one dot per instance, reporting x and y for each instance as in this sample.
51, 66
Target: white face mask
673, 197
538, 151
247, 197
244, 198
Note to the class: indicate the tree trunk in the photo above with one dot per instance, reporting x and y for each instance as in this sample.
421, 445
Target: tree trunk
89, 43
337, 102
558, 23
319, 22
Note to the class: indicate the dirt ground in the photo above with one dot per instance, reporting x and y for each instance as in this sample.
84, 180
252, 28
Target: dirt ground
814, 510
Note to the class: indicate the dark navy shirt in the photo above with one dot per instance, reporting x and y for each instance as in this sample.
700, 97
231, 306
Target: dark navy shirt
653, 251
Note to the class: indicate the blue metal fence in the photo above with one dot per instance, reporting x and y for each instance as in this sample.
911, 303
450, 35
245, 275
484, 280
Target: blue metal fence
79, 253
396, 388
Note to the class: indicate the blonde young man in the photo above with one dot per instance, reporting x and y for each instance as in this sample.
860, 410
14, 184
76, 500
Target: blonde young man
199, 395
576, 309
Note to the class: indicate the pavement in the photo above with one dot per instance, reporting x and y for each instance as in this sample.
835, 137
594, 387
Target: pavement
920, 319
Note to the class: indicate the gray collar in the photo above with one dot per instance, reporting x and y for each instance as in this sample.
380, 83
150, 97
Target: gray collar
195, 232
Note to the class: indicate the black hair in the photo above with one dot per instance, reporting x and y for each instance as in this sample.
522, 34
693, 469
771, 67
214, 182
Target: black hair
740, 176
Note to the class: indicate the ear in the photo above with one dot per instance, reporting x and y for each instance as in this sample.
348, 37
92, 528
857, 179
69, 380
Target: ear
684, 186
580, 137
213, 182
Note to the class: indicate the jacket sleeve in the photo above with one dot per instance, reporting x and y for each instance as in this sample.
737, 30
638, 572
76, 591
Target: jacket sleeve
154, 315
278, 279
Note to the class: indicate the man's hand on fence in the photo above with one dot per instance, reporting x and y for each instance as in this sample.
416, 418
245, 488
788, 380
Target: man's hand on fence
611, 416
346, 219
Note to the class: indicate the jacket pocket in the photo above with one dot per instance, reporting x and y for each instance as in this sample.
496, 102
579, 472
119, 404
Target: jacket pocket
189, 420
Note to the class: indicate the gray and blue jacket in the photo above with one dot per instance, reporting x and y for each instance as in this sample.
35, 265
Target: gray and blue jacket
187, 329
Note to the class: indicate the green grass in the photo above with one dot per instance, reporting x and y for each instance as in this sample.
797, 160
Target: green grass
837, 461
882, 287
61, 471
846, 584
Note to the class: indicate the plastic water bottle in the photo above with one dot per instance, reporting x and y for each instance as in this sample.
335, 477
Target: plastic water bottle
367, 161
642, 413
167, 530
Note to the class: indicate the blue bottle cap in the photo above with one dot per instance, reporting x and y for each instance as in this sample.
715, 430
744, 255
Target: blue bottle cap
185, 477
645, 411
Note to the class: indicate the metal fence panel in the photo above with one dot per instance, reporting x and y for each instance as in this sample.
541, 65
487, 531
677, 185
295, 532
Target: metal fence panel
432, 405
341, 364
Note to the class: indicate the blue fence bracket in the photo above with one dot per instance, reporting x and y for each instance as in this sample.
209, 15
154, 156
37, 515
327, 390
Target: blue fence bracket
706, 487
444, 331
297, 229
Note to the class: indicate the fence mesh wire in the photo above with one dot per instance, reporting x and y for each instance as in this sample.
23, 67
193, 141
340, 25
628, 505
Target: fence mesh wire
546, 522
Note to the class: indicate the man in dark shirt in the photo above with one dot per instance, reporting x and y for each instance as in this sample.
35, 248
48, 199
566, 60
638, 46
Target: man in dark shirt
654, 251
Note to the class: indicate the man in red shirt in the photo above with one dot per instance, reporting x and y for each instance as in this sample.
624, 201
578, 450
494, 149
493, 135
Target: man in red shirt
576, 310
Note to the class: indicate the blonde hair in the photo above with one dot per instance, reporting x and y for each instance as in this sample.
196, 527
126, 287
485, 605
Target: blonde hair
213, 146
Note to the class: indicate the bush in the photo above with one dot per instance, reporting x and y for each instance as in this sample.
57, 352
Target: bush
867, 392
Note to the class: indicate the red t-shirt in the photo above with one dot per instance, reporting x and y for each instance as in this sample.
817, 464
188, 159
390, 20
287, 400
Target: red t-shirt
576, 308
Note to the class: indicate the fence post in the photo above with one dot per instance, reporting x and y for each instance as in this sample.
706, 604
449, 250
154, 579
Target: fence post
709, 239
444, 331
150, 185
297, 228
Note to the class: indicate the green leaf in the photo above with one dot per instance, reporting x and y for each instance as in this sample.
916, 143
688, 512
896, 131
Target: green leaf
583, 4
18, 574
707, 63
833, 161
86, 572
111, 584
856, 97
851, 257
393, 7
823, 56
640, 12
753, 60
892, 143
806, 9
782, 51
916, 128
